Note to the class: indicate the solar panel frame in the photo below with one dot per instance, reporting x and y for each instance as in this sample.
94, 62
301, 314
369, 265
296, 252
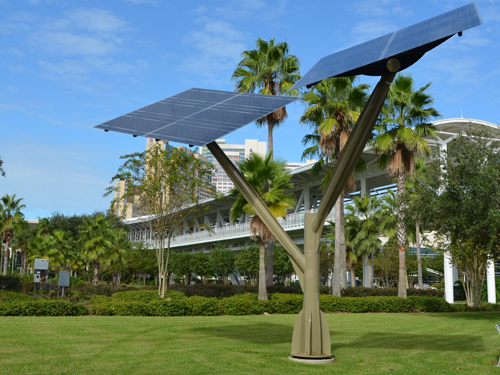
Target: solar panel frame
408, 45
196, 116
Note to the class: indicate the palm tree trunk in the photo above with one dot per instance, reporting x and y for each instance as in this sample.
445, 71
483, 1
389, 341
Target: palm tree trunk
343, 255
401, 239
95, 280
353, 275
262, 271
6, 256
337, 266
115, 278
419, 258
270, 263
370, 272
270, 244
23, 262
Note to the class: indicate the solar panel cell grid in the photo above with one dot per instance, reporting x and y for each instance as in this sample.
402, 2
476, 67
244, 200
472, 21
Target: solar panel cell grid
362, 58
196, 116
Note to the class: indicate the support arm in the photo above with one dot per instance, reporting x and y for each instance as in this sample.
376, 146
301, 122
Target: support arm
352, 151
260, 208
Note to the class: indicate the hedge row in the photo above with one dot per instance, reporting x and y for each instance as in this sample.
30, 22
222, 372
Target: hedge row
248, 304
389, 292
42, 307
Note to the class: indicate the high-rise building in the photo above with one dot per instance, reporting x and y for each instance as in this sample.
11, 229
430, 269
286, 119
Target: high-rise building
235, 153
130, 206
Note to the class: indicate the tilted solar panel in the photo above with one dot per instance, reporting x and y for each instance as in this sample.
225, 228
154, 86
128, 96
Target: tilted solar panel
197, 116
408, 45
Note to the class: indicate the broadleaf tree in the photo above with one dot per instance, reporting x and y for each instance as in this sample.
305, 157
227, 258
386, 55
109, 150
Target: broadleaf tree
165, 184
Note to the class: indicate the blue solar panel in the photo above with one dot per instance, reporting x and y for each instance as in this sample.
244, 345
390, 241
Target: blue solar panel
197, 116
408, 45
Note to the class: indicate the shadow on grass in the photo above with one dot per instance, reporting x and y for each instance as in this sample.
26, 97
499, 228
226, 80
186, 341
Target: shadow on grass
261, 333
381, 340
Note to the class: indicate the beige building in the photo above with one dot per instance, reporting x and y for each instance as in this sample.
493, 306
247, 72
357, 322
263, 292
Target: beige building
235, 153
130, 206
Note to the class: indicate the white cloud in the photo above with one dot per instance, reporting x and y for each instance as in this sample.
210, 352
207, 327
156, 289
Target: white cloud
219, 46
7, 27
379, 8
89, 64
67, 43
372, 28
13, 52
96, 20
16, 68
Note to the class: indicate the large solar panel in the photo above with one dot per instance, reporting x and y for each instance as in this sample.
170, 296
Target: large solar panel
196, 116
408, 45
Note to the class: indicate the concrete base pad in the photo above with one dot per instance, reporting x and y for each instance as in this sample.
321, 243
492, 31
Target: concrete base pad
315, 361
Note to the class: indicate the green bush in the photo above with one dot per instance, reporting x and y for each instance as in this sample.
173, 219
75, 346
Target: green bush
40, 307
383, 304
145, 295
99, 289
389, 292
6, 297
10, 283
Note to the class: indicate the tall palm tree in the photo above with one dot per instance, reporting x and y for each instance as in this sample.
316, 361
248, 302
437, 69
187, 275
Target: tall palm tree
366, 241
96, 240
403, 126
269, 69
22, 236
332, 109
11, 216
271, 181
116, 260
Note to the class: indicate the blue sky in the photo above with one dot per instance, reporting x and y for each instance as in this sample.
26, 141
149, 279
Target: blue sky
69, 65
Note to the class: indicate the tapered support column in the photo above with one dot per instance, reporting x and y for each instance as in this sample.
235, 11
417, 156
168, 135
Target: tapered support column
490, 282
311, 336
448, 278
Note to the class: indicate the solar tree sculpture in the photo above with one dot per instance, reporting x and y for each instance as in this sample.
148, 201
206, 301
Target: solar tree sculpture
199, 117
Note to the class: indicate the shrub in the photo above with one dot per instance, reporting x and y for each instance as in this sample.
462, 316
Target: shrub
40, 307
10, 283
383, 304
145, 295
99, 289
389, 292
6, 297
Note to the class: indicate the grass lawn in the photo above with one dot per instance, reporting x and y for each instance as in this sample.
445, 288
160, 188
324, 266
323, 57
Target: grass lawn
446, 343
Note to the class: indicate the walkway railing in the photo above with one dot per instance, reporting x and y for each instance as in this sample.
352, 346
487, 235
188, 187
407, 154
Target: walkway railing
292, 222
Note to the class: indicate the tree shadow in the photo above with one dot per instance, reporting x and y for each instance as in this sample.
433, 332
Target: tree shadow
257, 333
409, 341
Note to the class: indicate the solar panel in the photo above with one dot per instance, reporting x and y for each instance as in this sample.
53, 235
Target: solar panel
196, 116
408, 45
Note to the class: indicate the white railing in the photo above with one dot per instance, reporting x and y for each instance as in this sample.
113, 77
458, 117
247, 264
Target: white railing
292, 222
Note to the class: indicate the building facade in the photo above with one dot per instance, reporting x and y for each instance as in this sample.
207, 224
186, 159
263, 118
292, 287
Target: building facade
235, 153
130, 207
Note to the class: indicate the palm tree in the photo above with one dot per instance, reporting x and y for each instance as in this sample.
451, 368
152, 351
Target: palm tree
366, 241
45, 247
11, 216
333, 108
402, 128
271, 181
117, 257
269, 69
95, 237
22, 236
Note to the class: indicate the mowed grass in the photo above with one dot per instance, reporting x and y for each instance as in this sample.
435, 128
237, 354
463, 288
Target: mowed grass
450, 343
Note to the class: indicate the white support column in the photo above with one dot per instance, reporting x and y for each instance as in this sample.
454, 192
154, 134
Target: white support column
363, 187
448, 278
490, 282
307, 198
365, 272
299, 202
366, 283
220, 220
